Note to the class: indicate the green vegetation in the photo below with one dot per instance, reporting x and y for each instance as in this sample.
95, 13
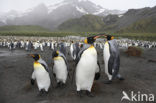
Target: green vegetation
39, 31
142, 26
85, 23
139, 36
22, 28
44, 34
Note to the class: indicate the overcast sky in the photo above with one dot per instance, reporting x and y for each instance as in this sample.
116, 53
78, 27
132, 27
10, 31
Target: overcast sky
21, 5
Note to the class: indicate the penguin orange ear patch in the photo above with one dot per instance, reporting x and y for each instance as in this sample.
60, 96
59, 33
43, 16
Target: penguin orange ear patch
85, 41
112, 37
57, 52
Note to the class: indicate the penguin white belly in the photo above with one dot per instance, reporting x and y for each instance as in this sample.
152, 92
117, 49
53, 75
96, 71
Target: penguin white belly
42, 77
41, 47
60, 69
71, 50
85, 70
106, 54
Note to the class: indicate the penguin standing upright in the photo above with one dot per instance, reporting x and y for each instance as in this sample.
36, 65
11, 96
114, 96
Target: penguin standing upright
60, 66
62, 47
40, 74
111, 59
41, 47
86, 66
11, 46
26, 45
74, 50
71, 49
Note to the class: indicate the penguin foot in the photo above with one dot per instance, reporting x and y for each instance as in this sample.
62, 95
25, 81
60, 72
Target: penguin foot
121, 78
32, 82
79, 93
97, 76
58, 85
89, 94
108, 82
63, 85
43, 92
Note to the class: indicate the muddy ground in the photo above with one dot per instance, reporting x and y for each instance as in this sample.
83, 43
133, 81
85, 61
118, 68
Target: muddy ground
16, 69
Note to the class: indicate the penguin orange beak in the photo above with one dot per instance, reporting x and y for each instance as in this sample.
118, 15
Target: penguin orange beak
96, 37
32, 55
99, 36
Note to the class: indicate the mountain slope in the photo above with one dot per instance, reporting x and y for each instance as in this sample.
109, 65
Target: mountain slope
85, 23
134, 15
26, 28
134, 20
143, 25
53, 15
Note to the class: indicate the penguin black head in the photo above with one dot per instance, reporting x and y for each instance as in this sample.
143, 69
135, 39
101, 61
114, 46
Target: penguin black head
109, 37
55, 53
90, 40
35, 56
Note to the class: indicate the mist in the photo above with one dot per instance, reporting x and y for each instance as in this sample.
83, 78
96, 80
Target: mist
22, 5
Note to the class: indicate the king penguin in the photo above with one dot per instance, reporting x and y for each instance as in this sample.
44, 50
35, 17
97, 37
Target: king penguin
86, 67
40, 74
74, 50
60, 67
111, 59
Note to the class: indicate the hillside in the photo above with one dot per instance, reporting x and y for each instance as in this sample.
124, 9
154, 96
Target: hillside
88, 23
52, 15
22, 28
85, 23
134, 20
134, 17
143, 25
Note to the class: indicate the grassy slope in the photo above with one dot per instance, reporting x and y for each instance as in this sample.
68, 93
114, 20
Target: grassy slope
39, 31
22, 28
142, 26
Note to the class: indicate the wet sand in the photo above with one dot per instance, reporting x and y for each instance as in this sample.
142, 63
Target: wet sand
16, 69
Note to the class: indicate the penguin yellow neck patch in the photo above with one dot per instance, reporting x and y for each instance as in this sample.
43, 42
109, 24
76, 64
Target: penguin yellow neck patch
91, 46
36, 64
58, 58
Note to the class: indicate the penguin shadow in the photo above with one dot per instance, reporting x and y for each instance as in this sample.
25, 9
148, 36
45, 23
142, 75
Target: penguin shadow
96, 88
28, 87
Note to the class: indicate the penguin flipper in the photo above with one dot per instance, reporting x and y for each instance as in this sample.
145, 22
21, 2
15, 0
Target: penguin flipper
80, 53
44, 64
98, 74
110, 61
45, 67
73, 75
32, 81
116, 67
33, 78
110, 65
54, 75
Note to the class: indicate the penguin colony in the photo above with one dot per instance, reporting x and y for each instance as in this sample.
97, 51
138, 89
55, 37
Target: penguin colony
29, 44
85, 56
